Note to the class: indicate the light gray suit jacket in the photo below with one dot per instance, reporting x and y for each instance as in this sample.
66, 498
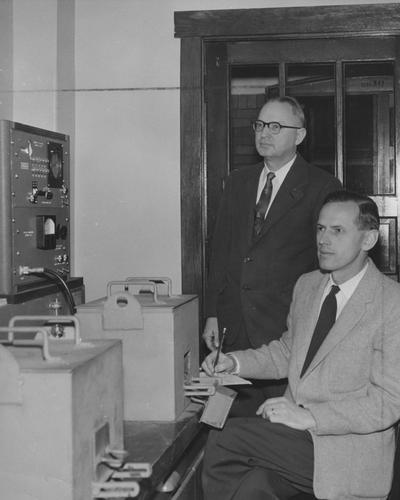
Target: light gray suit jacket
352, 386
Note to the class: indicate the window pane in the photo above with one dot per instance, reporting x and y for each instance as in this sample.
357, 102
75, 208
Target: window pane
248, 94
369, 131
313, 85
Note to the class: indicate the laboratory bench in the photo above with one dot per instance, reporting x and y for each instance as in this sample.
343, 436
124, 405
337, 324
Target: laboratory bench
174, 450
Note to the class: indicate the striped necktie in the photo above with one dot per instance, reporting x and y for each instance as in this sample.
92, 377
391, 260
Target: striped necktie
262, 205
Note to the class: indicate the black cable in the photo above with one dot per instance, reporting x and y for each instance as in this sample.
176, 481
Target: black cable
64, 287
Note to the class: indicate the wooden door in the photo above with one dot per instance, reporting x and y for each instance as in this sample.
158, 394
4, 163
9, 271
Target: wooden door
207, 42
348, 89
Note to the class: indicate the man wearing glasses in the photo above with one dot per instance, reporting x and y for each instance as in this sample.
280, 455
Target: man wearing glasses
263, 241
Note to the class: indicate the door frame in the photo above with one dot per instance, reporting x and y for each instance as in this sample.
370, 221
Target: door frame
196, 29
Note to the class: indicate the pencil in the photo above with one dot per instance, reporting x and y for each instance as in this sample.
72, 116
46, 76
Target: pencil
219, 349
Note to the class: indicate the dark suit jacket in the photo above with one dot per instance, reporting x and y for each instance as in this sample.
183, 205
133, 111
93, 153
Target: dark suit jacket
252, 281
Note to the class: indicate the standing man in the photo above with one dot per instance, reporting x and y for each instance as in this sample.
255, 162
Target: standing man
264, 240
333, 433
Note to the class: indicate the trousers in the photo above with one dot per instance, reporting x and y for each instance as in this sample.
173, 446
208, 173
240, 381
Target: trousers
254, 459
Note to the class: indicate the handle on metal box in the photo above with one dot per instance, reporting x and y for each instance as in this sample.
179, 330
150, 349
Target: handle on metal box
43, 342
154, 279
115, 489
51, 319
126, 285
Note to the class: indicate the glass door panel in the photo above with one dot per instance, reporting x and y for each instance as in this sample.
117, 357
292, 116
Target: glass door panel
313, 85
369, 128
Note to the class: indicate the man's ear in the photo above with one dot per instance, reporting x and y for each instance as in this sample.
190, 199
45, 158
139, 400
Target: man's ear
370, 238
301, 133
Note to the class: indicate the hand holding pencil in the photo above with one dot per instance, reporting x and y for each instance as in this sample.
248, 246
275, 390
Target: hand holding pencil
217, 361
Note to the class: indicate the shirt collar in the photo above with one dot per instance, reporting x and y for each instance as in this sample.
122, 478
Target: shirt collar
349, 286
281, 173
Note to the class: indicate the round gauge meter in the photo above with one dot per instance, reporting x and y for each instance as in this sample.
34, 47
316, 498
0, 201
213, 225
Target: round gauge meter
55, 163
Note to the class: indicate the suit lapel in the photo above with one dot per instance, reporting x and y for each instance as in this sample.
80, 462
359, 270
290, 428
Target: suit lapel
310, 308
352, 313
290, 192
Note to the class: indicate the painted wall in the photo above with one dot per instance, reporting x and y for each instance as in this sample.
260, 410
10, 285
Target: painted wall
6, 58
35, 62
107, 73
127, 142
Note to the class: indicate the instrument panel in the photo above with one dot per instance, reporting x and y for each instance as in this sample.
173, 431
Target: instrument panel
35, 208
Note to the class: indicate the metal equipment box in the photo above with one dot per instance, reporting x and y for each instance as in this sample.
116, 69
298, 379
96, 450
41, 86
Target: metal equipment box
58, 418
160, 345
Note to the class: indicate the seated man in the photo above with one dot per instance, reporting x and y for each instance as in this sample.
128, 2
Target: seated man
332, 433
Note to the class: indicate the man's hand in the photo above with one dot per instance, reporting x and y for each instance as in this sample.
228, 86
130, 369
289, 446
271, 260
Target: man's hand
210, 333
225, 364
283, 411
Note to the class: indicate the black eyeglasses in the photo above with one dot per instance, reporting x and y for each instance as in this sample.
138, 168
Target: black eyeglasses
273, 127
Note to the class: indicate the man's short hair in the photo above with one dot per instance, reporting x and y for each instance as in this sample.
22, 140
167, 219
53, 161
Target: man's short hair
294, 104
368, 217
